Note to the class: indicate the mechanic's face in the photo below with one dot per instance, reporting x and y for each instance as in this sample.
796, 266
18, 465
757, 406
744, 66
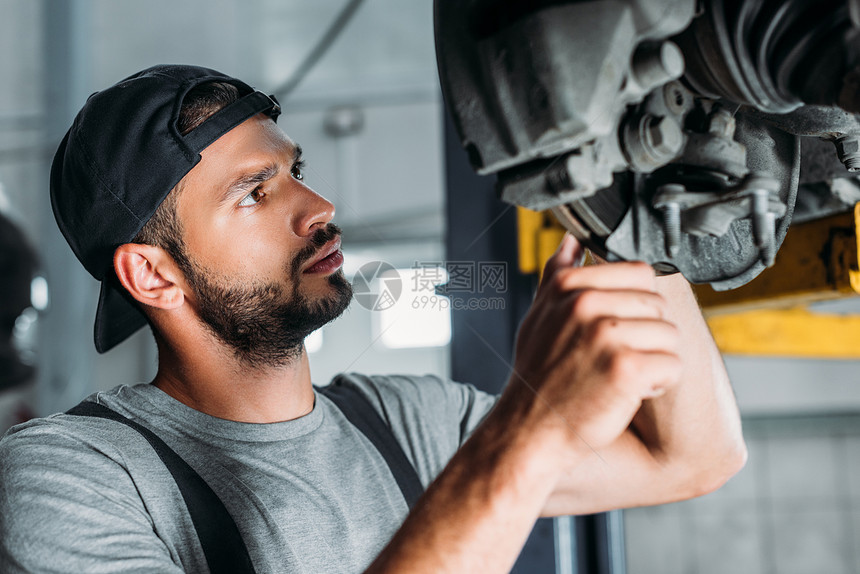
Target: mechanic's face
265, 259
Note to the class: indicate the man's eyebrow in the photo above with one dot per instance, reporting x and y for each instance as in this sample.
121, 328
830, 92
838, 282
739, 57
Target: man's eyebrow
249, 180
297, 154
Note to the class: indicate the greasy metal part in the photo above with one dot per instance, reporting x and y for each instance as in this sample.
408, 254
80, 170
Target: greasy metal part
728, 260
706, 213
677, 99
671, 226
574, 225
764, 228
542, 184
812, 121
650, 141
765, 51
838, 126
654, 64
817, 261
521, 89
848, 151
578, 108
717, 150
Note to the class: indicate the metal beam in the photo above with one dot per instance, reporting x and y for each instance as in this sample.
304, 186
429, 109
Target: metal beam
793, 333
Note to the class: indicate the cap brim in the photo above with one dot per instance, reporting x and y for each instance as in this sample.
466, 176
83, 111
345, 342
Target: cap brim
116, 319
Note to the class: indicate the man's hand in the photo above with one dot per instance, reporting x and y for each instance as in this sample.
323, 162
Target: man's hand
594, 345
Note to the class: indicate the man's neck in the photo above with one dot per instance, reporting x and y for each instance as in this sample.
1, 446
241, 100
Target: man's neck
209, 379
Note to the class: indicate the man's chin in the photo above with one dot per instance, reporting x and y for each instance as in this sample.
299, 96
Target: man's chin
333, 296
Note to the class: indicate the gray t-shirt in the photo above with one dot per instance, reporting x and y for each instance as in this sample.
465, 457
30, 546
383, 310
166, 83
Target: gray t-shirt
311, 495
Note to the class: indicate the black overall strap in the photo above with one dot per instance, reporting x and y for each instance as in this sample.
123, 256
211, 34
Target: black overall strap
358, 410
219, 536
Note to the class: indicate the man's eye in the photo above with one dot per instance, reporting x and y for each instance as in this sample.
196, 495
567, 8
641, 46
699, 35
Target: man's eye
252, 198
297, 170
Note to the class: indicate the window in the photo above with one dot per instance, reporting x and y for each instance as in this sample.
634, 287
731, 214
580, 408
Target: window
419, 317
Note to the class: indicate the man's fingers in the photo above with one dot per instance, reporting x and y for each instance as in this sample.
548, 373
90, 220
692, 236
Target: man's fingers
590, 304
569, 254
625, 275
635, 334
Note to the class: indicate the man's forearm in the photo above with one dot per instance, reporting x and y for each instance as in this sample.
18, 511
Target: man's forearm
696, 424
477, 514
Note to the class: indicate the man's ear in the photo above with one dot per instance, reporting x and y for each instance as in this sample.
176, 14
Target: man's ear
149, 275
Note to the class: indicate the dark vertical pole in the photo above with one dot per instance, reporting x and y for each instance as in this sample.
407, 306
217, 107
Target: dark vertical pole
600, 543
483, 229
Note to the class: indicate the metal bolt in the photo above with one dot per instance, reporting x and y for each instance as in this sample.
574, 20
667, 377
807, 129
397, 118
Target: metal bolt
848, 149
722, 124
764, 226
672, 227
676, 97
664, 138
656, 64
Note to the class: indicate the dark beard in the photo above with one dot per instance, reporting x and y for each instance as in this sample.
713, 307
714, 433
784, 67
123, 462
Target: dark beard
261, 324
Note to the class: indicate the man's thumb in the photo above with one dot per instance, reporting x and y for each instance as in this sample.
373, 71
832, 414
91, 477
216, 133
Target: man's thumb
570, 253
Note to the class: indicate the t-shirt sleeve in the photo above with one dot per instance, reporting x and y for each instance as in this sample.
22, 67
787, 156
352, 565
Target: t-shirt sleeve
430, 417
67, 504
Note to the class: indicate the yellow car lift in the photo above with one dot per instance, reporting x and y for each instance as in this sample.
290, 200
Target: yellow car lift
818, 261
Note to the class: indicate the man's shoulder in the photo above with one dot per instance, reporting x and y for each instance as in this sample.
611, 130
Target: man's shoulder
59, 449
62, 432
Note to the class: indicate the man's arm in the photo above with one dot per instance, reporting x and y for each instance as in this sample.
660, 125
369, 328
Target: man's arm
593, 347
683, 444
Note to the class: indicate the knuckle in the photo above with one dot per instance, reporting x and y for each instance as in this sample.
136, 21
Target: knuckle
585, 302
558, 281
644, 272
674, 331
676, 364
623, 366
603, 330
673, 335
656, 299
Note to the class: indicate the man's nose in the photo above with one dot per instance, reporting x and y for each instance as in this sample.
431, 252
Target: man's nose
312, 212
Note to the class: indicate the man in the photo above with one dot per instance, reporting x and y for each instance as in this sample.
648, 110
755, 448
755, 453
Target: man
618, 396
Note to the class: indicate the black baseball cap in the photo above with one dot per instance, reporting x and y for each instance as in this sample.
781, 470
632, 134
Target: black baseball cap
117, 163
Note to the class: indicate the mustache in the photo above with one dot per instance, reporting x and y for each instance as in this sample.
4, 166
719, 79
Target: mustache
317, 241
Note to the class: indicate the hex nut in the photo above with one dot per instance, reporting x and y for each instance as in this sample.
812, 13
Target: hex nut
847, 146
665, 137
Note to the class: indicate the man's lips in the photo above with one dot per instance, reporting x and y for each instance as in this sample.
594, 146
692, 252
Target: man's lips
328, 260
